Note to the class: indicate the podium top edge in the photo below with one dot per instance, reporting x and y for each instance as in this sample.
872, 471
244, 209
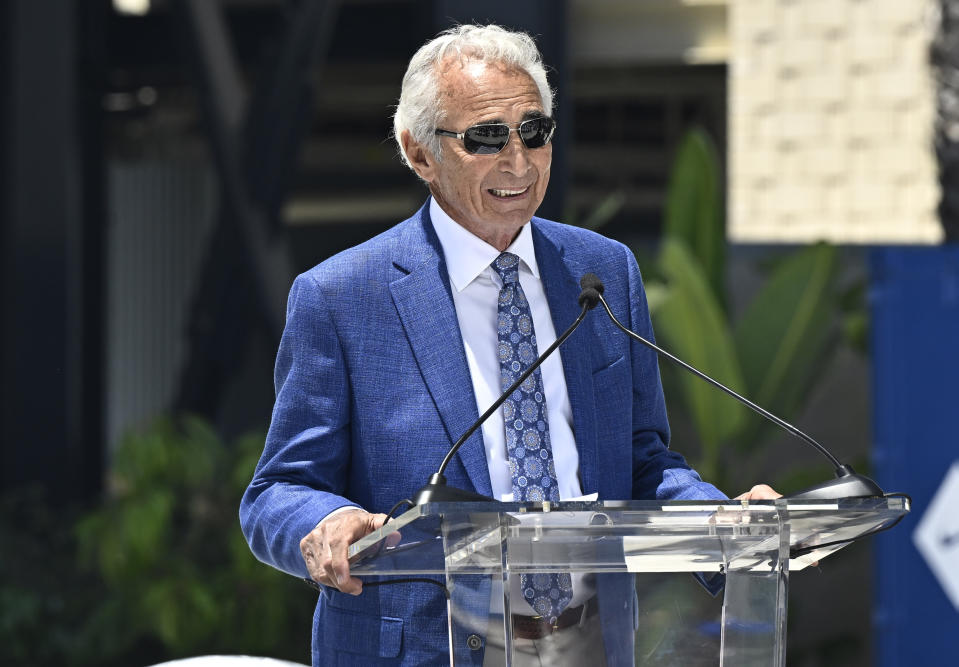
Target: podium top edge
789, 504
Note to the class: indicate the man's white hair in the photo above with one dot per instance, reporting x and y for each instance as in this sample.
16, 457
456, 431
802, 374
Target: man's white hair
419, 109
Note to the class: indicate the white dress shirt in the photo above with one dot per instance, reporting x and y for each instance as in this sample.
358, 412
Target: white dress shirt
475, 286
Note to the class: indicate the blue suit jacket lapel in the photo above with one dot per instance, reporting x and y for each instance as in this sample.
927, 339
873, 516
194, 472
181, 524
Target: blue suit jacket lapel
560, 275
424, 304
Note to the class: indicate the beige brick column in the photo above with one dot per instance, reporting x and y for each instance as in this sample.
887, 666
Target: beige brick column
830, 122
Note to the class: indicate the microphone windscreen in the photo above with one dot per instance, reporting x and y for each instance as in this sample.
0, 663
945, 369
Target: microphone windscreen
589, 297
591, 281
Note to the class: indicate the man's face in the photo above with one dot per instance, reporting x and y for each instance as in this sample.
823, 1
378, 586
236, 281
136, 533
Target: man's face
490, 195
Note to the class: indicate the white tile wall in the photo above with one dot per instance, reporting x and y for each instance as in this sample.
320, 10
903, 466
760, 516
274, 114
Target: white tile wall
831, 108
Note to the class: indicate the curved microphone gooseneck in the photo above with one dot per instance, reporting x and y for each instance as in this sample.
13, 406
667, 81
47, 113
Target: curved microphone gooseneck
848, 483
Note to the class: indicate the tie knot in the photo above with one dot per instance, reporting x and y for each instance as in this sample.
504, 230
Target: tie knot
507, 266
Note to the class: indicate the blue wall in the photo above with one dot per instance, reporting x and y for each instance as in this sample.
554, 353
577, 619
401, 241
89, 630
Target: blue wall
915, 352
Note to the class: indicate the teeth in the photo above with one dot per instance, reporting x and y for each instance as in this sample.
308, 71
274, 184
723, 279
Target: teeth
508, 193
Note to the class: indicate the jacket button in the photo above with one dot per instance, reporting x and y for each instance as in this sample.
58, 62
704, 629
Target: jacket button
474, 642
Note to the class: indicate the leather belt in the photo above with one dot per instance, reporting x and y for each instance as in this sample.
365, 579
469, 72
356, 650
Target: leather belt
536, 627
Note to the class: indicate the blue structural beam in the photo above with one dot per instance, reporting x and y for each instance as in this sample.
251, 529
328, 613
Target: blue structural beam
915, 350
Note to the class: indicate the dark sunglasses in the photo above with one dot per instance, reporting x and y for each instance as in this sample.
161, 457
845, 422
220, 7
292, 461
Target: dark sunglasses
491, 138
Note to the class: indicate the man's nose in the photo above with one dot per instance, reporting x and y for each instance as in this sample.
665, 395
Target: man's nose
513, 157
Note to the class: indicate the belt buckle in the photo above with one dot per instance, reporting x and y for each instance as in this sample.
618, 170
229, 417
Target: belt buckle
545, 626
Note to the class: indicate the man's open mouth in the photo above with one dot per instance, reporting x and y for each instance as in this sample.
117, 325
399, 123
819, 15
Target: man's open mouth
508, 193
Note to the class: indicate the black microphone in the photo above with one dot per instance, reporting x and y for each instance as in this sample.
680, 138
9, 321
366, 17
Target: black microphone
436, 489
592, 290
848, 483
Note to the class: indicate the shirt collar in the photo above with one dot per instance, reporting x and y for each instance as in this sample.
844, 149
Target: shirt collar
467, 255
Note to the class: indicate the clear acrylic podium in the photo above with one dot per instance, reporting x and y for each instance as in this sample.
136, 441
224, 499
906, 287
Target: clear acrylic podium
473, 548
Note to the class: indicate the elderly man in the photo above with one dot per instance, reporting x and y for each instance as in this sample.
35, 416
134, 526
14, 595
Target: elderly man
393, 348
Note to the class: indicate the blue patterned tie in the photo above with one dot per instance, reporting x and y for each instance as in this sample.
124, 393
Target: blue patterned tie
527, 430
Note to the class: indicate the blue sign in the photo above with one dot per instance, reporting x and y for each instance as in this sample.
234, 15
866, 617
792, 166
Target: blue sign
915, 350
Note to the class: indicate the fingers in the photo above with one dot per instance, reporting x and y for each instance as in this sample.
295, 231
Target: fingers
394, 538
337, 568
324, 551
325, 548
376, 522
760, 492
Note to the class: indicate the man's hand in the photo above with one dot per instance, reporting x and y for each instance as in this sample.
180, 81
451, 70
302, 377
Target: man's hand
324, 548
760, 492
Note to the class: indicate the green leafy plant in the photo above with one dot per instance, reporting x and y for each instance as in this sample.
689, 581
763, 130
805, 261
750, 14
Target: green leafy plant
774, 352
176, 570
693, 210
690, 320
43, 598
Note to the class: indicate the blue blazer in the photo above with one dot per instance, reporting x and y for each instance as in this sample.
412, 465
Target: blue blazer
373, 387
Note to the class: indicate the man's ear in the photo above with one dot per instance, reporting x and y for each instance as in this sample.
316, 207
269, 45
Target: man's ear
420, 157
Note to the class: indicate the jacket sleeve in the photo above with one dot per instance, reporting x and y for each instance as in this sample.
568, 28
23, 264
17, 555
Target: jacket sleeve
302, 474
658, 472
